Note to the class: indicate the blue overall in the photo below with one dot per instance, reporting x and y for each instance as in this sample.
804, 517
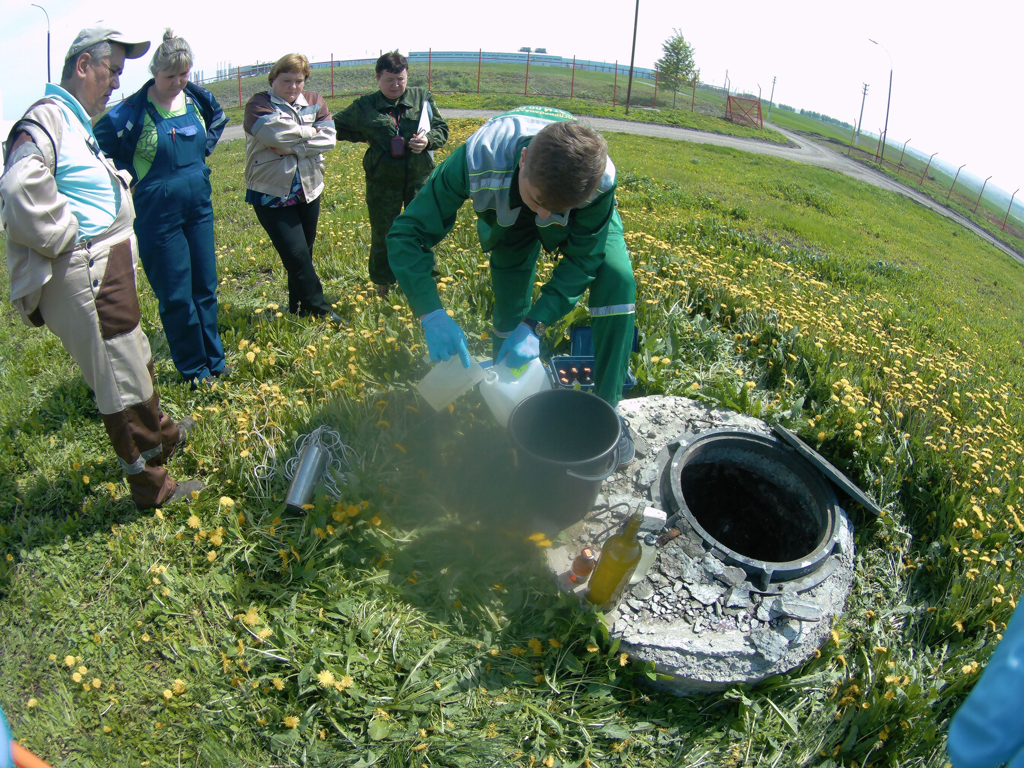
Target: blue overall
175, 232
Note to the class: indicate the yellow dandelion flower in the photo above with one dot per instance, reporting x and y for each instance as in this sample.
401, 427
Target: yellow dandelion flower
375, 520
193, 522
291, 722
227, 502
211, 555
536, 537
167, 694
31, 703
77, 677
250, 355
623, 659
535, 646
83, 670
278, 683
106, 729
591, 648
96, 683
515, 650
251, 618
325, 678
554, 643
346, 681
538, 678
85, 479
264, 633
178, 687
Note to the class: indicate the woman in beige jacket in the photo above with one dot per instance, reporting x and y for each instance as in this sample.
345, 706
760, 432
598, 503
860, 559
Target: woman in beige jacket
286, 133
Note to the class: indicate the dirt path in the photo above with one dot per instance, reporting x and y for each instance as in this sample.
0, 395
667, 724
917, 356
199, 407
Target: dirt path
801, 151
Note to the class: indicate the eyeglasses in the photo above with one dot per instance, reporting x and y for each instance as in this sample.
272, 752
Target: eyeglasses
115, 74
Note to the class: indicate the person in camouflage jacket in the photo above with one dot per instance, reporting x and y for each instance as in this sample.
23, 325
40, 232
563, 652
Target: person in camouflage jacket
399, 159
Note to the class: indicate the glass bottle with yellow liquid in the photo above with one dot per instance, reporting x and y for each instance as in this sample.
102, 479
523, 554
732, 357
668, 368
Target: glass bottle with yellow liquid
619, 556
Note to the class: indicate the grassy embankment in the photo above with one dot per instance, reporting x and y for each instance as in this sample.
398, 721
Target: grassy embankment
402, 625
911, 171
502, 87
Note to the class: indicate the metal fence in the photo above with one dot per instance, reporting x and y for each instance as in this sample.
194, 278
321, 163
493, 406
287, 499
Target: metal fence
529, 74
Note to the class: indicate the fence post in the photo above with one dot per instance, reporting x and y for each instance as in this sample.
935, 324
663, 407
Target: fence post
526, 87
900, 166
929, 166
655, 89
693, 95
954, 181
479, 64
572, 86
879, 145
1009, 207
332, 75
980, 194
615, 83
430, 62
238, 71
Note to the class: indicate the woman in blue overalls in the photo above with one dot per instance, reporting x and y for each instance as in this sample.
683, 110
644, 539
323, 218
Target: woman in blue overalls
162, 134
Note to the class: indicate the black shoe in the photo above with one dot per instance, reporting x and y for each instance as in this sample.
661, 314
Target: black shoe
223, 373
626, 449
382, 290
337, 319
184, 491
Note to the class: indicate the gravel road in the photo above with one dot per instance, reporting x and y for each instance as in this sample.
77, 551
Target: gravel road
801, 151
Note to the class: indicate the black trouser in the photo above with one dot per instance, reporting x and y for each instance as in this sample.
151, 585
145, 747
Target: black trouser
292, 230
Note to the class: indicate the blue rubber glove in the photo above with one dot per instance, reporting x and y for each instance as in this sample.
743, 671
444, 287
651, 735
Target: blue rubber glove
988, 729
6, 761
444, 338
521, 346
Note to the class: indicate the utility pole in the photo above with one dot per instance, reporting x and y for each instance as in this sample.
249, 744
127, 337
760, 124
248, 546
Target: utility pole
632, 56
860, 120
771, 98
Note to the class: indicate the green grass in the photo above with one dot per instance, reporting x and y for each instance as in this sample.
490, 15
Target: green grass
886, 336
910, 170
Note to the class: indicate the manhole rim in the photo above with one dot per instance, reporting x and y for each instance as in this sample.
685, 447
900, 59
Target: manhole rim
764, 570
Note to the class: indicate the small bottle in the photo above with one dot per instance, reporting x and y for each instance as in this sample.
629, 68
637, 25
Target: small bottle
619, 556
582, 566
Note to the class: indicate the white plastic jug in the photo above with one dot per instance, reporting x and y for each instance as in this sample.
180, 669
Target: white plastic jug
447, 381
504, 388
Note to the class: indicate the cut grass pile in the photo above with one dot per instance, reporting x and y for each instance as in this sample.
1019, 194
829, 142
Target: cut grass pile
406, 623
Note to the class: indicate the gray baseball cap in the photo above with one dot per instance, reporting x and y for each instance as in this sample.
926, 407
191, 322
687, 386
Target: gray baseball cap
87, 38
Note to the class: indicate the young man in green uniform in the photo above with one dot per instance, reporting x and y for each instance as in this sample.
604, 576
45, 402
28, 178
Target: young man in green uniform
540, 159
401, 155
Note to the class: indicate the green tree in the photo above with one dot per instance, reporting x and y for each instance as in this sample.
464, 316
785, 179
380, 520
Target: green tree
677, 65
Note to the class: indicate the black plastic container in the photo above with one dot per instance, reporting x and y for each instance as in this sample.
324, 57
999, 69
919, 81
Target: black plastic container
566, 444
582, 360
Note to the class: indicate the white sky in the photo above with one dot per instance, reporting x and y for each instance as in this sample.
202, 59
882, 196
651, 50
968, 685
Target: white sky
956, 83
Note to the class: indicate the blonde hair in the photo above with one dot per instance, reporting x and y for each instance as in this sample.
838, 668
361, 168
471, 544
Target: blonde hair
173, 54
565, 163
290, 62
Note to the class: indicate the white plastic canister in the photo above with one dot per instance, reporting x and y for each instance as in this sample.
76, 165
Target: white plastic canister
503, 388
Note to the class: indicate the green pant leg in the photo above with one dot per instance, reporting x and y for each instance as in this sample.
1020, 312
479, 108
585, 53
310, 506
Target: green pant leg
513, 268
384, 202
612, 311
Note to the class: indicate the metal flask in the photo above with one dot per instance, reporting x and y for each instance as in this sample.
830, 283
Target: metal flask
313, 460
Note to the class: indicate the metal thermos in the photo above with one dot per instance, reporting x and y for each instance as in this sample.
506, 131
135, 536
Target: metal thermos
313, 461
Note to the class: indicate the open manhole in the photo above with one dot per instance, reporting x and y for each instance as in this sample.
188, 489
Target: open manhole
754, 502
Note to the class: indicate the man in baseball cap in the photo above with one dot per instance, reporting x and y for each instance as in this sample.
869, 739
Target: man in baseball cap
71, 257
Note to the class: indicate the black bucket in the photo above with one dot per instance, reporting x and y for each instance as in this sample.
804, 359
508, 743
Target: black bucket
566, 442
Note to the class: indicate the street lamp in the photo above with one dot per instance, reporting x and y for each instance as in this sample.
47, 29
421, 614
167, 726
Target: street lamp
632, 56
35, 5
885, 131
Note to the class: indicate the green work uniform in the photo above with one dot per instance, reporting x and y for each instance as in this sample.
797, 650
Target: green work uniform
589, 240
391, 182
